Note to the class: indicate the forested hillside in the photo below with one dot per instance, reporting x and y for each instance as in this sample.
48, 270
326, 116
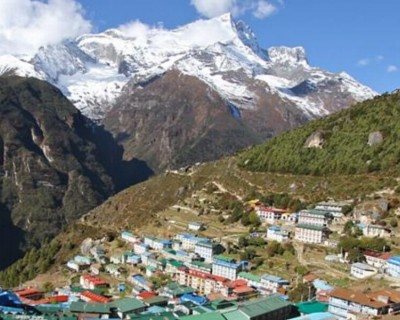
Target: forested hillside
362, 139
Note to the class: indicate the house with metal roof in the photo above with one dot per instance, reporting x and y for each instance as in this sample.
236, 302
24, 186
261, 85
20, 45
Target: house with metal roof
362, 270
127, 306
271, 283
271, 307
393, 267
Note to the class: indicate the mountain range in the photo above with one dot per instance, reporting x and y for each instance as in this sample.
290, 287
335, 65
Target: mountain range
351, 155
83, 119
141, 86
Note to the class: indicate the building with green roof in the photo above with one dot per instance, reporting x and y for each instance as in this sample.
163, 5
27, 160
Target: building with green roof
156, 301
127, 306
310, 307
175, 290
252, 279
205, 316
268, 308
99, 309
155, 316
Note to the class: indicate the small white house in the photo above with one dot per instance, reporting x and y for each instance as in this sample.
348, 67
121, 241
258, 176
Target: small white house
73, 265
195, 226
377, 259
128, 236
372, 230
140, 248
277, 234
393, 267
362, 270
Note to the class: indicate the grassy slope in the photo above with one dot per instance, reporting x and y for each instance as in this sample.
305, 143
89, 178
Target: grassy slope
345, 149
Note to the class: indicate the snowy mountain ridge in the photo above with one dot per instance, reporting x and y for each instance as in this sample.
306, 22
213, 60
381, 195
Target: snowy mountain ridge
93, 69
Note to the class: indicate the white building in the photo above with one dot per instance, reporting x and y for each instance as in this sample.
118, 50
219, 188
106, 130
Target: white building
73, 265
315, 217
393, 267
372, 230
195, 226
208, 249
189, 241
226, 267
272, 283
377, 259
269, 214
362, 270
348, 304
311, 234
335, 208
157, 244
129, 237
140, 248
277, 234
252, 279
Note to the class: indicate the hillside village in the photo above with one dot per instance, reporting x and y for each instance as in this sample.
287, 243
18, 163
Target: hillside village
200, 274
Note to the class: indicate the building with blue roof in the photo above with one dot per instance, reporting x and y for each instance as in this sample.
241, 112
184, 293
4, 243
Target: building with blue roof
322, 285
317, 316
10, 299
140, 247
141, 282
197, 300
393, 267
189, 241
277, 234
273, 283
128, 236
227, 267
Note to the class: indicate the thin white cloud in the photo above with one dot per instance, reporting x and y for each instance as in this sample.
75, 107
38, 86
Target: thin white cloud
264, 9
379, 58
137, 30
391, 68
213, 8
363, 62
26, 25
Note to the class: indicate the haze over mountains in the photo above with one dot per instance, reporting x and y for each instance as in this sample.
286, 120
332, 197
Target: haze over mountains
262, 92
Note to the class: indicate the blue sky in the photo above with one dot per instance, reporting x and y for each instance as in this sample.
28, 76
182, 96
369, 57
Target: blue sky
361, 37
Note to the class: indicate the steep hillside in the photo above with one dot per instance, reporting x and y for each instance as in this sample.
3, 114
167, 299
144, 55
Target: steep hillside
362, 139
52, 170
163, 205
176, 120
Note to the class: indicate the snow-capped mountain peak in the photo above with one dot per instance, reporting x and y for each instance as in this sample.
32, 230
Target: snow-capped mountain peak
286, 55
92, 69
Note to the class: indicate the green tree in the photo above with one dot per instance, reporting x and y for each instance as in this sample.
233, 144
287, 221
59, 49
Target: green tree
48, 287
301, 270
355, 255
302, 292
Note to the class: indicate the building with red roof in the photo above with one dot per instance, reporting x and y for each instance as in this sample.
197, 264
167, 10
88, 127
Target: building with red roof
146, 295
204, 283
269, 214
377, 259
89, 281
29, 294
90, 296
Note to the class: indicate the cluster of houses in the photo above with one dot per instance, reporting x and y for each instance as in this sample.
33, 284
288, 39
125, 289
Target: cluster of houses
203, 283
312, 225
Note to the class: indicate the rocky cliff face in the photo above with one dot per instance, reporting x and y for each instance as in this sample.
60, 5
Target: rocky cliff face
175, 120
51, 169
